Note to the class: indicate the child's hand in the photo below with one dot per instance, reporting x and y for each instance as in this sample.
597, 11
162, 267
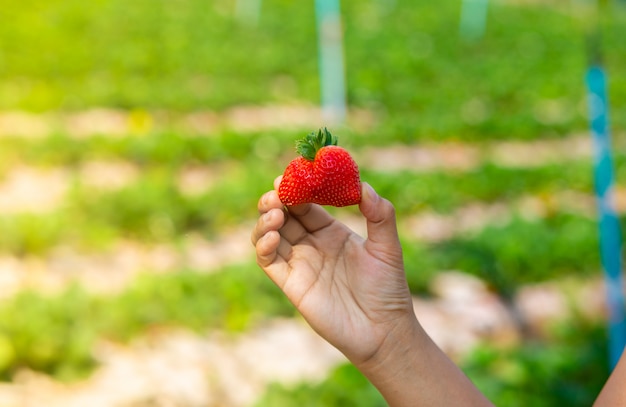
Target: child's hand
351, 290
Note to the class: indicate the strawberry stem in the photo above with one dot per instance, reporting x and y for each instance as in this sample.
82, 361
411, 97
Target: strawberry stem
310, 145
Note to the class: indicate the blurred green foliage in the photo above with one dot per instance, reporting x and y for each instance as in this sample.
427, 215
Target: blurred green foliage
345, 386
569, 369
523, 252
509, 255
524, 78
57, 333
446, 191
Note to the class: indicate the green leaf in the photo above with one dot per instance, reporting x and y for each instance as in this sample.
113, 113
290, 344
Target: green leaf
313, 142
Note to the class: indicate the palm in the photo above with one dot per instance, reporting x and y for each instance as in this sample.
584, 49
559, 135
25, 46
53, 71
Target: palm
345, 286
330, 279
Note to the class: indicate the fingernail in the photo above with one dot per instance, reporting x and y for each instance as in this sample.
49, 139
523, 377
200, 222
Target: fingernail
265, 198
368, 192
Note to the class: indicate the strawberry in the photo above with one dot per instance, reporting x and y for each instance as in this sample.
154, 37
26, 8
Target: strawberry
324, 174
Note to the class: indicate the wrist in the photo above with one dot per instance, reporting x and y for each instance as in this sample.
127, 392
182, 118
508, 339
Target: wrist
410, 369
397, 353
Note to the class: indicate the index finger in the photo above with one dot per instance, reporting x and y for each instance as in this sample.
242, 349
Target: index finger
269, 201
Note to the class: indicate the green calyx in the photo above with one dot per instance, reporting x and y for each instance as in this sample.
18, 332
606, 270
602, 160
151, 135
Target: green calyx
310, 145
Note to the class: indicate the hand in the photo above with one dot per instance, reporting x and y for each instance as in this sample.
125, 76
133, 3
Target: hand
351, 290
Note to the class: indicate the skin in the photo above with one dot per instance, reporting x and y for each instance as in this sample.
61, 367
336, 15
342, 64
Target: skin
353, 292
614, 391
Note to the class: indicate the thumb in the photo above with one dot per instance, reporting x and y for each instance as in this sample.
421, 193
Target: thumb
380, 215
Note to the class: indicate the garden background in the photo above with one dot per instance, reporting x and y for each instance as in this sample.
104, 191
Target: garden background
136, 138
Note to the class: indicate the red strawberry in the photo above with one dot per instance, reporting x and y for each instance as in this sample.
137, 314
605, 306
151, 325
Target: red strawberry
325, 174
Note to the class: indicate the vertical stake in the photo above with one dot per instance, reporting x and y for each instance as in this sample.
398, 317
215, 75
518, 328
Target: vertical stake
473, 19
609, 227
248, 11
331, 61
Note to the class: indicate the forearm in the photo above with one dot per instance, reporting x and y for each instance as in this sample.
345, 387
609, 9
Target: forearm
614, 391
411, 370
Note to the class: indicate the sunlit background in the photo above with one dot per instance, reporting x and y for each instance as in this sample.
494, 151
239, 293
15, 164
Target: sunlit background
136, 137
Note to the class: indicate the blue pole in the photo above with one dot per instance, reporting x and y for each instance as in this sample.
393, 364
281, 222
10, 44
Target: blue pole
331, 61
609, 227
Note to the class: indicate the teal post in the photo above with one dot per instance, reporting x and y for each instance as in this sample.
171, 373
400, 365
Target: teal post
609, 227
473, 19
331, 61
